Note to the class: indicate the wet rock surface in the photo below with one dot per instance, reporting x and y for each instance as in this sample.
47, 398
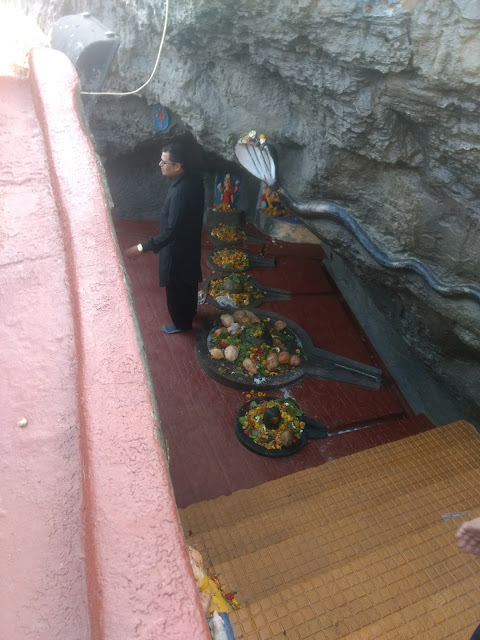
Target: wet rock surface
373, 106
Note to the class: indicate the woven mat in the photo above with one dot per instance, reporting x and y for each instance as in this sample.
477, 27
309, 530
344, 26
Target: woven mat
359, 548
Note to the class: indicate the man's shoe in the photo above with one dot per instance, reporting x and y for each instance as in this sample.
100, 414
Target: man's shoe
171, 328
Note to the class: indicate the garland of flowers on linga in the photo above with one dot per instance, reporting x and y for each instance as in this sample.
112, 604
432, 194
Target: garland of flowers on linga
253, 422
276, 212
228, 232
244, 298
231, 259
223, 208
247, 342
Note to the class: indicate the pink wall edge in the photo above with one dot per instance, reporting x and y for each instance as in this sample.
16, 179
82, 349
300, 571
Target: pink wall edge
140, 583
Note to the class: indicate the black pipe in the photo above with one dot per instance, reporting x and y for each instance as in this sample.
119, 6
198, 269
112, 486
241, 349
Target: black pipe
328, 210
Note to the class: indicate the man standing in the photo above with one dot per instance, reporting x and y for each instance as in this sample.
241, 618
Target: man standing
179, 242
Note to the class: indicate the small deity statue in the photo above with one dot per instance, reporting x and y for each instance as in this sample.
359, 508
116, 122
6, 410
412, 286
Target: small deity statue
227, 191
270, 198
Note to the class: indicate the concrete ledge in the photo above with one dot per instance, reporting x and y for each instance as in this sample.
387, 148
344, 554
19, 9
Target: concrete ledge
139, 580
283, 229
423, 393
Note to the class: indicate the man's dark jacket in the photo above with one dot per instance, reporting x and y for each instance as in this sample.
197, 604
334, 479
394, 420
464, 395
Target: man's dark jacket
181, 220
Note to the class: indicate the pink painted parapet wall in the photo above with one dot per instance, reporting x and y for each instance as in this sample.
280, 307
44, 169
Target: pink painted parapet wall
90, 543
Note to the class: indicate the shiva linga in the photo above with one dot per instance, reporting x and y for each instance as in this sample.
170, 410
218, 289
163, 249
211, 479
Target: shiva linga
267, 351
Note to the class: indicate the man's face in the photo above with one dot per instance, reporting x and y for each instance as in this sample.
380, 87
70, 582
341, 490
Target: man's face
169, 168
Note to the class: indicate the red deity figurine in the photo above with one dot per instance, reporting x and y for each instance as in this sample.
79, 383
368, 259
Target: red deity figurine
227, 191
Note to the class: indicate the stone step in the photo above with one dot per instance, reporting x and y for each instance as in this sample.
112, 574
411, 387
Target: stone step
343, 550
318, 545
439, 616
336, 481
274, 526
395, 588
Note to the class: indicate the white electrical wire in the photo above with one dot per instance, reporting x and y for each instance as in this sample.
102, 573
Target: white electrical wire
130, 93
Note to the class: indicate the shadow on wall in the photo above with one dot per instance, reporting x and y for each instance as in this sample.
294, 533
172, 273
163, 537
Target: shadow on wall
136, 185
138, 188
135, 180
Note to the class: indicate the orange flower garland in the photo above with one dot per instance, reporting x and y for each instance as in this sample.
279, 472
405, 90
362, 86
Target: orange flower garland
231, 259
253, 422
228, 233
249, 294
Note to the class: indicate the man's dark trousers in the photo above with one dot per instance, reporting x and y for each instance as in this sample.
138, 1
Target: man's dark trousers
182, 301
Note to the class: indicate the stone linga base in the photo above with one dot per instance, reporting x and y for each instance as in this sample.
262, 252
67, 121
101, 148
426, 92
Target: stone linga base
269, 294
214, 216
315, 362
312, 430
253, 261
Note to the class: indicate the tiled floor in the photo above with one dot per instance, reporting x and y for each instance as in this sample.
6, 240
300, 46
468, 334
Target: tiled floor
353, 549
197, 413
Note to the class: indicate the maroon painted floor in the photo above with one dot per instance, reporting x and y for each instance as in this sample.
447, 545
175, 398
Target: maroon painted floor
197, 413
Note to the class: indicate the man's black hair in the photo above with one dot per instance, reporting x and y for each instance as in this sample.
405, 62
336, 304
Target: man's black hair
177, 153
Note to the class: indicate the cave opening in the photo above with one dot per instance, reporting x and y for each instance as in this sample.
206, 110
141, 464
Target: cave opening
135, 181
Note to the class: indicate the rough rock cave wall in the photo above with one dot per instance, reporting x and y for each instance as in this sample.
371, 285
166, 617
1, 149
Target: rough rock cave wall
372, 105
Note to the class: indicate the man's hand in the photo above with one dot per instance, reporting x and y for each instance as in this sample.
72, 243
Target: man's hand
468, 536
133, 252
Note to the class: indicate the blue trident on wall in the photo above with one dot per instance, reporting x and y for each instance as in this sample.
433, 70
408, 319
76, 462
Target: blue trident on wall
160, 116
